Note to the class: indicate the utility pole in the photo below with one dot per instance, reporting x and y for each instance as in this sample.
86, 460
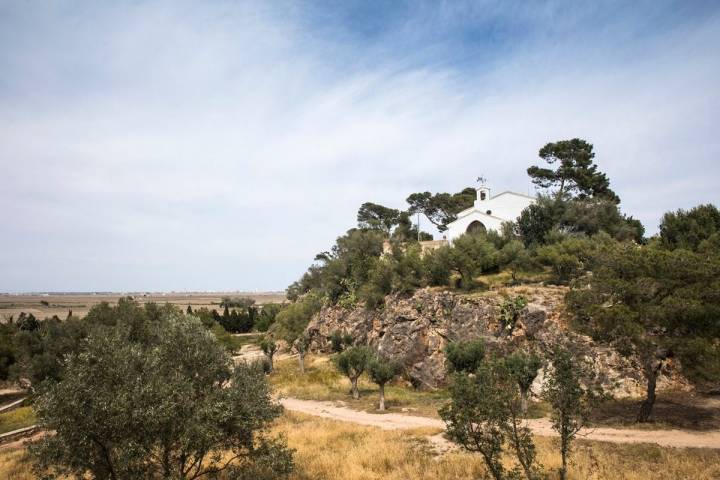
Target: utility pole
418, 224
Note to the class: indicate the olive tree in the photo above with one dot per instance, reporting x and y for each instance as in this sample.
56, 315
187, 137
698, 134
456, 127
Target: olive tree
523, 367
291, 322
269, 347
302, 345
571, 392
484, 416
166, 405
290, 326
8, 354
382, 370
352, 363
39, 353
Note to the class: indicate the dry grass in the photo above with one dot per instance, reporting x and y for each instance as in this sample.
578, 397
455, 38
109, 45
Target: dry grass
684, 410
504, 279
326, 449
14, 465
332, 450
17, 418
321, 381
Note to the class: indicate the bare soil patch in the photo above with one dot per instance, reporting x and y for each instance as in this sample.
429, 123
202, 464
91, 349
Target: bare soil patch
541, 426
683, 410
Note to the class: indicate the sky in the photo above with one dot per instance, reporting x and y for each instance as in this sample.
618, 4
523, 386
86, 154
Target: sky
177, 146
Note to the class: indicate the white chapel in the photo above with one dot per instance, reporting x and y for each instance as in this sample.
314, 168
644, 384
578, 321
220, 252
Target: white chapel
488, 212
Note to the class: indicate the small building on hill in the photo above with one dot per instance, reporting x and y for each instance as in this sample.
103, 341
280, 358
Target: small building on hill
488, 212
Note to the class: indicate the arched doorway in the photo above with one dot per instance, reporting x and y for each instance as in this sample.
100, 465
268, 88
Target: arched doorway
475, 227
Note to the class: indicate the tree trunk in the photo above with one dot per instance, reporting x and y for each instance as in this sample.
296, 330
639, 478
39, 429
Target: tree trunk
167, 469
493, 465
108, 462
354, 388
563, 454
523, 401
270, 360
302, 362
560, 191
382, 398
521, 450
651, 373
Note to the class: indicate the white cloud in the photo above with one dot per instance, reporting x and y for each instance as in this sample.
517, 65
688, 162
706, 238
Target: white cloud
175, 147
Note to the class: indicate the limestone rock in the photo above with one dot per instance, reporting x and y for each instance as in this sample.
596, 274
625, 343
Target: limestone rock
415, 330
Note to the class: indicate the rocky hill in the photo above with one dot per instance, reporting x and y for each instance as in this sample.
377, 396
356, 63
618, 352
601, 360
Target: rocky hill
415, 330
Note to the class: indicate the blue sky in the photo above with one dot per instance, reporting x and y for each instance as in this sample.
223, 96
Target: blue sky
219, 145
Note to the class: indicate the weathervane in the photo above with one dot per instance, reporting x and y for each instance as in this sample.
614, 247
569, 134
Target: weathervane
481, 180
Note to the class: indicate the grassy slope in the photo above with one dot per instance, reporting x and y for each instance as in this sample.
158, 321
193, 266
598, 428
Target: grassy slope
18, 418
322, 382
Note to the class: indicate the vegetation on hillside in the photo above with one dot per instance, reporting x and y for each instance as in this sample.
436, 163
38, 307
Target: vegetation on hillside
32, 350
487, 411
150, 393
650, 298
561, 232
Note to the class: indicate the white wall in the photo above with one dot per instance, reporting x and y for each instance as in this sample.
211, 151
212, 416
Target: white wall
460, 226
506, 207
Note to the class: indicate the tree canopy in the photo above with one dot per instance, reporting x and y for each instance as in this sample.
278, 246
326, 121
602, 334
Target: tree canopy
653, 303
465, 356
375, 216
575, 173
689, 228
484, 415
162, 404
587, 216
441, 208
381, 370
352, 363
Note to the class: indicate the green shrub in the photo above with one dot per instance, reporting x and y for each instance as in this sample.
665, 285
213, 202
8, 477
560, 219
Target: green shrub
509, 313
465, 356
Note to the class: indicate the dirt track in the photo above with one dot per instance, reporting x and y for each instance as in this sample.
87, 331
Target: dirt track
394, 421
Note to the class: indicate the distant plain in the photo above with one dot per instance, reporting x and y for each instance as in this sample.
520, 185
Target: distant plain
47, 305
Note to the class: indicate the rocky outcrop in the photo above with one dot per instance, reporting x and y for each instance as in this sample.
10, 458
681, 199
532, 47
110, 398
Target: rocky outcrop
416, 329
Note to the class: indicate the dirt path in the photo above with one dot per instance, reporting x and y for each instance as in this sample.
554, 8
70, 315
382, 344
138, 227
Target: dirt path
251, 353
12, 405
22, 441
394, 421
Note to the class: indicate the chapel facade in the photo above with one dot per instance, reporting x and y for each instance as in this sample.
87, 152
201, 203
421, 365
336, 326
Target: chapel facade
489, 212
